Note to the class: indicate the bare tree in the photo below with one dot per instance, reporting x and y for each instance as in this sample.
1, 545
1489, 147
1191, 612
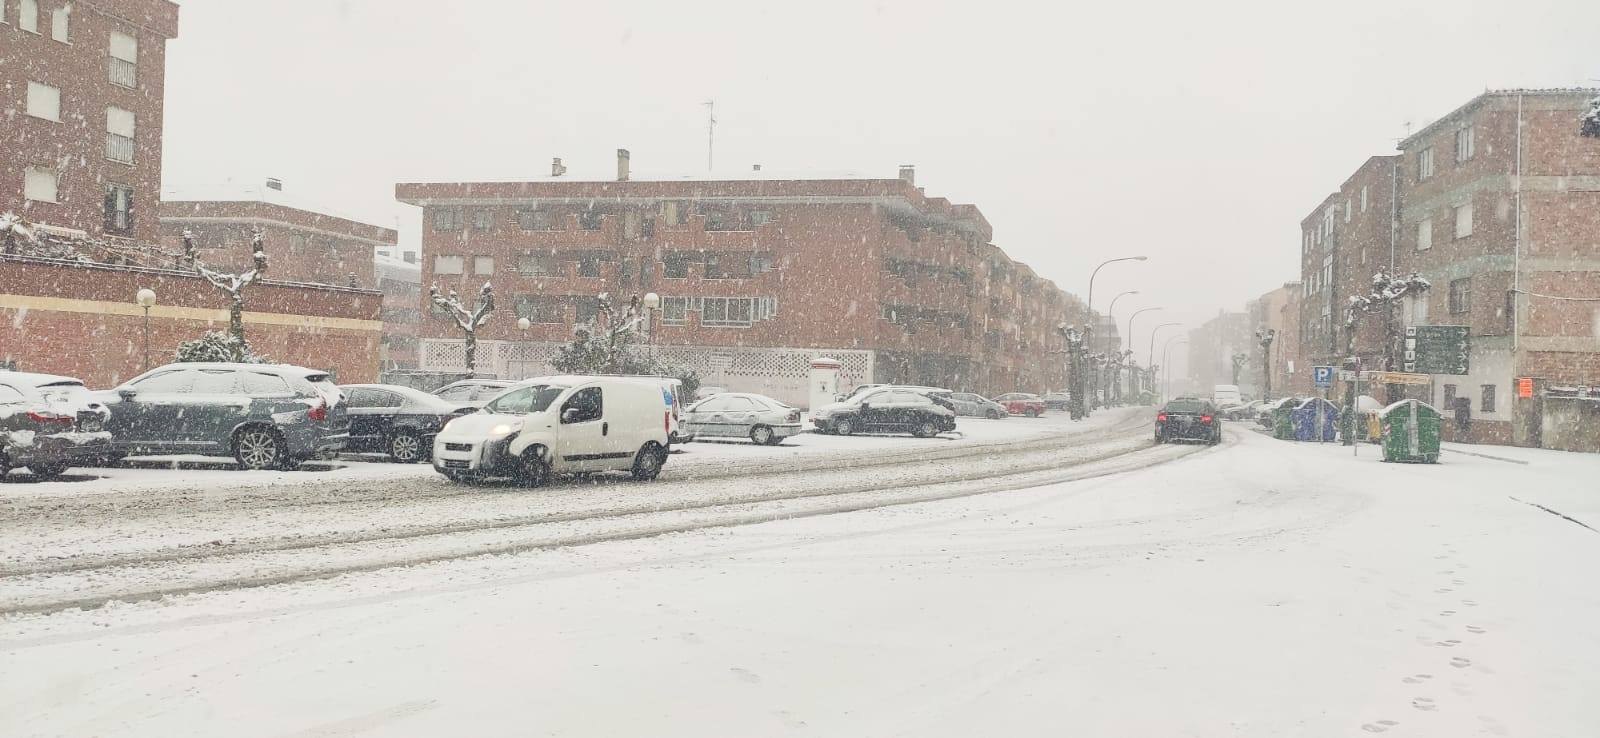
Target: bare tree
1589, 123
232, 285
468, 320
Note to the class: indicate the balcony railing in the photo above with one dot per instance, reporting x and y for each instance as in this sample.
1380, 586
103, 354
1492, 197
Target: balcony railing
119, 148
123, 72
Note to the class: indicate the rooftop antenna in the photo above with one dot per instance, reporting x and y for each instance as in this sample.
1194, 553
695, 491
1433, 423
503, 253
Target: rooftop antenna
711, 129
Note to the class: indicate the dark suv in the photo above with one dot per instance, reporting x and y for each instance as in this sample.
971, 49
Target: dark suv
266, 416
887, 409
1189, 419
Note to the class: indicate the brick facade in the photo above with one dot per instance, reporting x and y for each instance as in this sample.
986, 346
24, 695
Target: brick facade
91, 168
304, 246
870, 265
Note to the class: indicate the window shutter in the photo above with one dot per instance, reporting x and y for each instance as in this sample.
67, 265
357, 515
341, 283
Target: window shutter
110, 225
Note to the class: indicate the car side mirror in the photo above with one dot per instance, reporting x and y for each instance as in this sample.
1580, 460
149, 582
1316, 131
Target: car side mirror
127, 393
569, 415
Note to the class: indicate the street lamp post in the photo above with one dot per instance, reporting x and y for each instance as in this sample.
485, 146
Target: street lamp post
1150, 360
1166, 364
1114, 377
1088, 328
146, 298
1130, 338
652, 303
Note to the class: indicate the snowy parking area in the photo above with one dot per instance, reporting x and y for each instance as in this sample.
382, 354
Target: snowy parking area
1262, 588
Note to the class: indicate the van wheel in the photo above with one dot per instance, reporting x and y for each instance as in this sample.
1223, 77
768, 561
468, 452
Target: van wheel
257, 448
533, 471
925, 429
761, 435
844, 426
405, 446
647, 464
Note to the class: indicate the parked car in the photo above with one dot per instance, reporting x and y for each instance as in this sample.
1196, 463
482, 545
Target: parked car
1247, 411
972, 405
1022, 403
742, 415
705, 392
1189, 419
1056, 400
886, 409
559, 425
48, 424
395, 420
472, 392
267, 416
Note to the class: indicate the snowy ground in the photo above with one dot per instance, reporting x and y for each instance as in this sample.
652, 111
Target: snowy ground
1258, 589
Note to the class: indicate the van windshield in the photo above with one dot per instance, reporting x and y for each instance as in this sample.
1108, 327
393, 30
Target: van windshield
533, 399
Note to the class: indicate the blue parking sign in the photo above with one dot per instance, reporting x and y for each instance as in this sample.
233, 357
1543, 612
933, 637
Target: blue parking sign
1322, 376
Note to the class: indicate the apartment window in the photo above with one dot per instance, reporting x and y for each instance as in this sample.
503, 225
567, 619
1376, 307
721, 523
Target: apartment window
59, 19
1464, 144
541, 309
538, 264
44, 101
445, 264
39, 184
446, 219
1363, 198
1424, 234
482, 219
675, 265
590, 220
119, 135
589, 264
760, 217
123, 59
1463, 220
119, 209
534, 219
1424, 163
727, 266
483, 265
674, 311
1460, 295
588, 309
727, 312
1348, 210
1487, 405
1449, 396
29, 20
761, 263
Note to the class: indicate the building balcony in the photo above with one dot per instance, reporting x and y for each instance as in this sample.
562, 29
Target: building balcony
119, 148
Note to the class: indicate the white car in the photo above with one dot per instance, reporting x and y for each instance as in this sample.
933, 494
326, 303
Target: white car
740, 415
560, 425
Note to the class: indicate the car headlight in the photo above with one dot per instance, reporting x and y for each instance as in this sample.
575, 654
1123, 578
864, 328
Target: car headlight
503, 429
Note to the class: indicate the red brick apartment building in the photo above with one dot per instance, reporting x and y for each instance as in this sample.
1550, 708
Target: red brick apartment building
757, 277
1497, 204
304, 246
80, 144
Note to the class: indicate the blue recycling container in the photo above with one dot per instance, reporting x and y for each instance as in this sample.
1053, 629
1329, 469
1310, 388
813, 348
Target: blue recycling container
1306, 423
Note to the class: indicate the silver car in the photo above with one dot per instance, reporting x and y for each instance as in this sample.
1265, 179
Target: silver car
970, 405
742, 415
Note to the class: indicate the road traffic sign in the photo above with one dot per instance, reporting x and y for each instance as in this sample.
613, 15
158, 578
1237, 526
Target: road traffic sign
1322, 376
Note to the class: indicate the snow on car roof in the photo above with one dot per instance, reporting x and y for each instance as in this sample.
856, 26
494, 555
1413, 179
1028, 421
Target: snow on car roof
36, 380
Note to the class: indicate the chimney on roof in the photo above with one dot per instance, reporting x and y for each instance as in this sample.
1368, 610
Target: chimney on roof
908, 173
556, 167
755, 167
273, 183
622, 165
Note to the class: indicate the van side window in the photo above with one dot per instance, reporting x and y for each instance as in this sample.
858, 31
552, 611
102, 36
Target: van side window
587, 402
518, 402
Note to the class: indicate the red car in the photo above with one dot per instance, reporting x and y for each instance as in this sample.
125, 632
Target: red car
1022, 403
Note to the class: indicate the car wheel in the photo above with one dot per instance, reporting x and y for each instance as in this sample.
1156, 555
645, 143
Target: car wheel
258, 448
761, 435
533, 471
925, 429
1030, 413
405, 446
1159, 439
47, 471
844, 426
992, 414
647, 464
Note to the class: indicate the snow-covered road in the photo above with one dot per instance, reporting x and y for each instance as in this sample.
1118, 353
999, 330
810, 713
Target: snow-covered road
1258, 589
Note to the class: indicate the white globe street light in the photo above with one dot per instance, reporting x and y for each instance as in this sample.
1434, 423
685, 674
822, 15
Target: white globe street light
146, 298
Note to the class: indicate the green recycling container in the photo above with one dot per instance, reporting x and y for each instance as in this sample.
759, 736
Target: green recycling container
1283, 418
1410, 430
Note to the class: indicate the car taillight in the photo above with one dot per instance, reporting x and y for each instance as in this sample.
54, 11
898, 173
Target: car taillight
318, 413
1162, 418
1205, 418
666, 422
49, 418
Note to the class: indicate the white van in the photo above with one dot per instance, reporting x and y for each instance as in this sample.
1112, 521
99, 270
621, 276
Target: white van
561, 425
1226, 395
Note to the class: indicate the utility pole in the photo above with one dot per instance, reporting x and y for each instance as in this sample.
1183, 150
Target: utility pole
1265, 337
711, 130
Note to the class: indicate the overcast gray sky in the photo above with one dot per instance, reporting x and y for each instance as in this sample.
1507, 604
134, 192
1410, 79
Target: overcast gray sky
1196, 133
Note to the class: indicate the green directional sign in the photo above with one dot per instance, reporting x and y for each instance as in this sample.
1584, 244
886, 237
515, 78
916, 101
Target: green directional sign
1437, 349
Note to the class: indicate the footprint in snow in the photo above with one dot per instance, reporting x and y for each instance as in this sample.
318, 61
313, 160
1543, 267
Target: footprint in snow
1460, 663
1475, 629
1424, 703
1446, 613
1444, 590
1470, 603
746, 675
1458, 582
1379, 727
1417, 678
1449, 643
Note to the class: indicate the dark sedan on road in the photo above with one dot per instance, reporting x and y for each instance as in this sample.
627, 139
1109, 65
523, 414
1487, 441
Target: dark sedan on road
48, 423
1189, 419
398, 421
887, 409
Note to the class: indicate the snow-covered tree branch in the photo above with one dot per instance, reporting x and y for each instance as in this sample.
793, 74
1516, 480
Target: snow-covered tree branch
1589, 122
231, 285
468, 320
